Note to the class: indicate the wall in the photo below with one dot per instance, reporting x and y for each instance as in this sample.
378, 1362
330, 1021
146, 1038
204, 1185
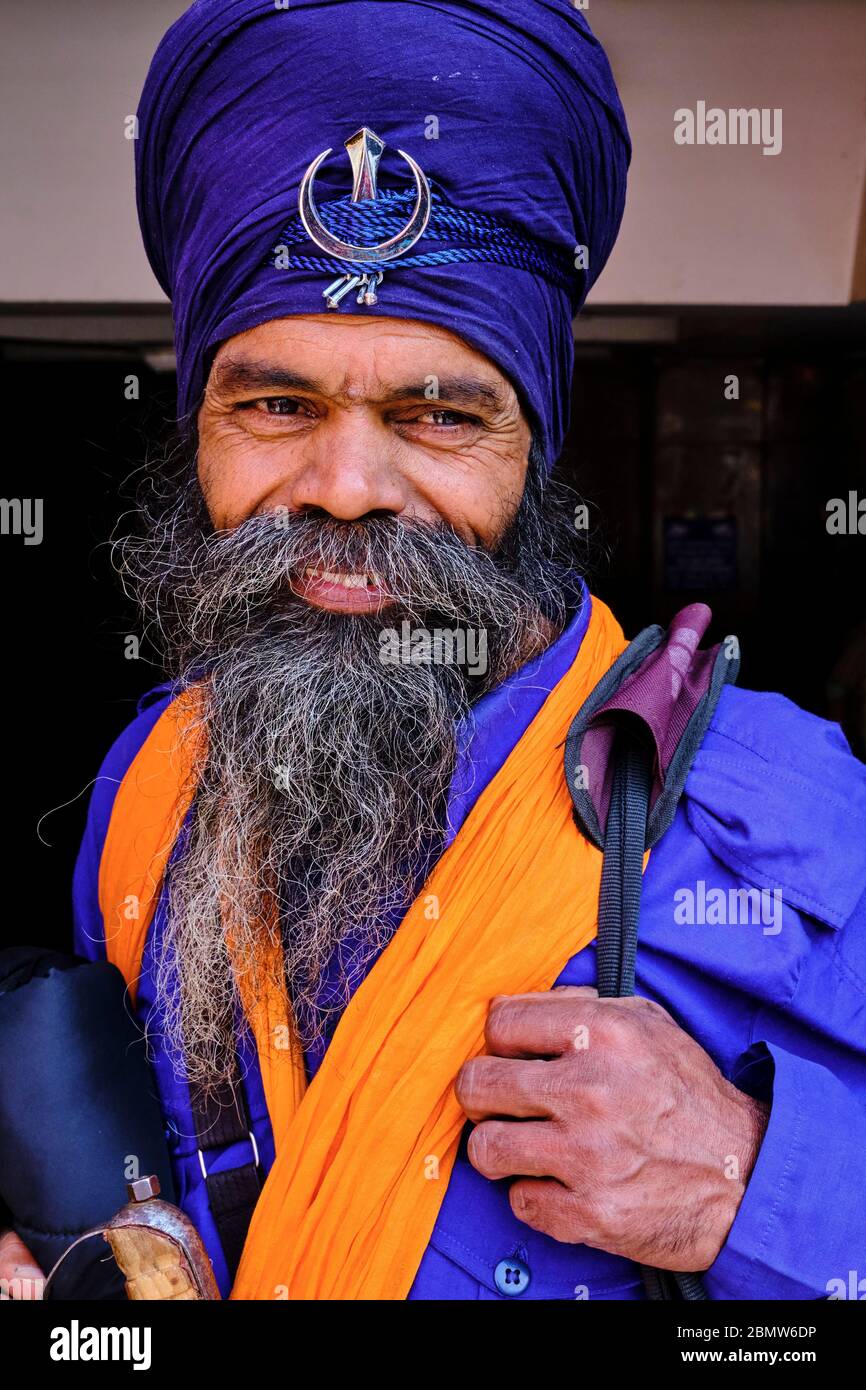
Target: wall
704, 225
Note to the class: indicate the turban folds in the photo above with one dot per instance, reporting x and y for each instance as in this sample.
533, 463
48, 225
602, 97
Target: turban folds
508, 106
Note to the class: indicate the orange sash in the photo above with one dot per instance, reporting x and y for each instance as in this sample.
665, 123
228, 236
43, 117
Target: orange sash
363, 1156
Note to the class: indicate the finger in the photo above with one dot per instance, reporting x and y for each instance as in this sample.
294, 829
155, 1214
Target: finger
548, 1206
586, 991
539, 1025
488, 1086
506, 1149
20, 1275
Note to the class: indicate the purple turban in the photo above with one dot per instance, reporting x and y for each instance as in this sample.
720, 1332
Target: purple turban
510, 110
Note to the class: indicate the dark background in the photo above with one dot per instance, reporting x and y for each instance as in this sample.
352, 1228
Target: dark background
693, 497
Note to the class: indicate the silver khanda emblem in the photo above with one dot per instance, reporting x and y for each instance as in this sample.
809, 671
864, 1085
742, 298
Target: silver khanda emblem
365, 150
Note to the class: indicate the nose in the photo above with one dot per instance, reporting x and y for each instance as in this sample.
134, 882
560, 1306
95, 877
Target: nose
348, 469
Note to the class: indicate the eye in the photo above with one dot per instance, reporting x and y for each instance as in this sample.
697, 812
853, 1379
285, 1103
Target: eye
441, 418
277, 405
274, 407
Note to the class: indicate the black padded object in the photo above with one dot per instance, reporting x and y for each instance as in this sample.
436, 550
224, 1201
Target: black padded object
77, 1102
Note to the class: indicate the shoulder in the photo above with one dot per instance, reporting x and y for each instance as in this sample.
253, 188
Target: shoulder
774, 728
763, 734
87, 930
130, 740
778, 796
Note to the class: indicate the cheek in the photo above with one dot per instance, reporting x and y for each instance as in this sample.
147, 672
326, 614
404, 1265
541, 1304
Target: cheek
483, 499
232, 475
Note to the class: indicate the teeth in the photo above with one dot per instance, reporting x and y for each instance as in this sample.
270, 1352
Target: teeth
348, 581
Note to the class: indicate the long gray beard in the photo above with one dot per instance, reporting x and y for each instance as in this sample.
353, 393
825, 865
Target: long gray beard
325, 780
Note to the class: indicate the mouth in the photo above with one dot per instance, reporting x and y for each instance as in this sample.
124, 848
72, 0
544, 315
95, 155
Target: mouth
340, 591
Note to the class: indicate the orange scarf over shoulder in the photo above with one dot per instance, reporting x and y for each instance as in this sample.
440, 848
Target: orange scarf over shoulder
364, 1154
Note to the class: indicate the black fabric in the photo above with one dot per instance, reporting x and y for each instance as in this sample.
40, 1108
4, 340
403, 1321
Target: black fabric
622, 867
232, 1197
78, 1108
222, 1119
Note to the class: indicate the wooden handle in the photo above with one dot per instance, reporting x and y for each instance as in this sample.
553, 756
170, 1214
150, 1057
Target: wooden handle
154, 1266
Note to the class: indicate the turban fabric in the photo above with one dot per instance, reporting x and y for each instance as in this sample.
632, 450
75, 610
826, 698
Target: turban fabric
508, 106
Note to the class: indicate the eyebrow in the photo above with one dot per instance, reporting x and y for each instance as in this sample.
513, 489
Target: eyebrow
241, 374
464, 390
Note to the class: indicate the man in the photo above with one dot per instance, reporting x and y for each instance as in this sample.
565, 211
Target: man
339, 870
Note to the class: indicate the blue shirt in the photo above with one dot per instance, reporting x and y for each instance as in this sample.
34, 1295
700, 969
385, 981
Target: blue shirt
774, 801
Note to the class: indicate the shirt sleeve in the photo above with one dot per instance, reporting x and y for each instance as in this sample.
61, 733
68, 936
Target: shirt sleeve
799, 1232
88, 935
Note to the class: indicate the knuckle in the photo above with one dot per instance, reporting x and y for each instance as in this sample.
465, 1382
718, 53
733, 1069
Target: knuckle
563, 1081
604, 1025
594, 1208
600, 1213
646, 1010
622, 1031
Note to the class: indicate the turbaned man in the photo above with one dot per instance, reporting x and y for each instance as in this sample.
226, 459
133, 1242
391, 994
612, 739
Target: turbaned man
340, 856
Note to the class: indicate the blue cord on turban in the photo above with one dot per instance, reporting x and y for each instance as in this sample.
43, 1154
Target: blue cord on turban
527, 165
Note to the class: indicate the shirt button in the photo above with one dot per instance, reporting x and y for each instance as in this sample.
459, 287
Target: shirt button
511, 1277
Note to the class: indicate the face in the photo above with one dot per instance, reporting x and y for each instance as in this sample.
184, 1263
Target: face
352, 418
334, 482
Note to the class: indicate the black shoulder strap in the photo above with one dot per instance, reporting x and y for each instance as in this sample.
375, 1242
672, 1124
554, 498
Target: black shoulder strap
222, 1119
618, 918
632, 827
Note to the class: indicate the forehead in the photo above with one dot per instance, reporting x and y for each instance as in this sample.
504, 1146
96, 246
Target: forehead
355, 357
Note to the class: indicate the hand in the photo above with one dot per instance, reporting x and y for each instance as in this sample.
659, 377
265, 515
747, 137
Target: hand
620, 1129
20, 1276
